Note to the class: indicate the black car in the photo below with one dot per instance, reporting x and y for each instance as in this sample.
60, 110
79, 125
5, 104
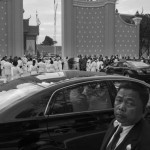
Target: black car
135, 69
54, 111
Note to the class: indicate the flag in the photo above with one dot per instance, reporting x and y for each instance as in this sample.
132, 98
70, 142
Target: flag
142, 10
55, 16
38, 22
55, 11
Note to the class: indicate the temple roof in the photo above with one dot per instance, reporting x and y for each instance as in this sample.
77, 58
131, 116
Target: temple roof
127, 18
30, 30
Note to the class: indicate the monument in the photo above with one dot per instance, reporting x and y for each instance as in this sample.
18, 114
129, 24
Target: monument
88, 28
94, 27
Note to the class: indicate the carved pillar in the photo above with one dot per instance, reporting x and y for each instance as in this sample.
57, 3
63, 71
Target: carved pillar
67, 28
137, 21
109, 43
15, 27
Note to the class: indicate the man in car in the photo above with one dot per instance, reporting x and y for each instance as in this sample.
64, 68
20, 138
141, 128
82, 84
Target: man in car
129, 130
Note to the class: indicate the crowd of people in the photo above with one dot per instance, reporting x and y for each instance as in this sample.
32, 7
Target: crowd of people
13, 68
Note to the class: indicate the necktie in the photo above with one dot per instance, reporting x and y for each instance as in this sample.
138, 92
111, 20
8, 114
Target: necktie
115, 139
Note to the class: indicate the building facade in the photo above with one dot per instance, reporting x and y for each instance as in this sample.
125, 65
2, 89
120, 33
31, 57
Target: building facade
89, 27
11, 28
30, 37
93, 27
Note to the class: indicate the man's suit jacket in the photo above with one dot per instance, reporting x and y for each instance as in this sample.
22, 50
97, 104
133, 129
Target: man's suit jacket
138, 137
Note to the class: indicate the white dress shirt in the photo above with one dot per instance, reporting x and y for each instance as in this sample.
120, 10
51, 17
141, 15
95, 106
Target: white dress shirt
125, 131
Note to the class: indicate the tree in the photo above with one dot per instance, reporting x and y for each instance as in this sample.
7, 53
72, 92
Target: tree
48, 41
145, 35
144, 32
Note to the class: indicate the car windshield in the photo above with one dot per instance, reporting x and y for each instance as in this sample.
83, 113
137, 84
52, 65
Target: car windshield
14, 95
138, 64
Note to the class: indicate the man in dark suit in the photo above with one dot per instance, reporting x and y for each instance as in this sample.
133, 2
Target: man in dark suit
129, 130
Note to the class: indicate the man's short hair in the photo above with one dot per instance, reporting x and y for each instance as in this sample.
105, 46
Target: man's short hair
140, 88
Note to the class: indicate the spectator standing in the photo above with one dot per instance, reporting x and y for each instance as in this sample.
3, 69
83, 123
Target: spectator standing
56, 64
99, 65
29, 63
50, 67
15, 71
2, 66
7, 70
33, 67
65, 66
59, 64
93, 65
41, 66
129, 130
88, 65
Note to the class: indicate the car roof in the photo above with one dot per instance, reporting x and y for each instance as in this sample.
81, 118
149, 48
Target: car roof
105, 77
67, 77
49, 77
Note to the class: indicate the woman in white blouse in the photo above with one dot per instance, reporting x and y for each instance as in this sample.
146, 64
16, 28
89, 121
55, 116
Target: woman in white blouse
33, 67
15, 71
50, 66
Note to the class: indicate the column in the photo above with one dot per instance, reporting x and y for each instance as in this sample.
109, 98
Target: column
109, 44
137, 21
67, 28
15, 28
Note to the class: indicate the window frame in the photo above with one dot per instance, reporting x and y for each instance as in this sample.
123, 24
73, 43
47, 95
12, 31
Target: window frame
50, 103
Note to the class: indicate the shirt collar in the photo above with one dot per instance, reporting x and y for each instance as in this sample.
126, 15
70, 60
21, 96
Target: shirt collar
117, 123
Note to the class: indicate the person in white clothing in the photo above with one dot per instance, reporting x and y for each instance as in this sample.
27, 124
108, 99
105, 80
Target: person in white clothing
15, 71
88, 65
99, 65
65, 66
50, 67
93, 65
56, 64
59, 64
41, 66
33, 67
7, 70
2, 67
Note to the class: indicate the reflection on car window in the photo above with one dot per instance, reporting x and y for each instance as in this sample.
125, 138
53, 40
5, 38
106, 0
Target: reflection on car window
125, 65
117, 84
120, 64
59, 105
87, 97
98, 96
34, 106
13, 96
138, 64
114, 64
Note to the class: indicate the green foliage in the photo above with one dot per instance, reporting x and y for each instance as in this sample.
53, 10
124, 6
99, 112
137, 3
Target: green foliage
48, 41
144, 34
38, 54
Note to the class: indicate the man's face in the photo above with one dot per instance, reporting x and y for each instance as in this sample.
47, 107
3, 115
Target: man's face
128, 108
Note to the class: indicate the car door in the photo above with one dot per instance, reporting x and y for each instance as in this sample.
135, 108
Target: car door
119, 68
24, 125
78, 116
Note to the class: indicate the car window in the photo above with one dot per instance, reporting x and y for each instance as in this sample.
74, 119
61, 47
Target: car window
85, 97
59, 105
139, 64
120, 64
34, 106
117, 84
125, 64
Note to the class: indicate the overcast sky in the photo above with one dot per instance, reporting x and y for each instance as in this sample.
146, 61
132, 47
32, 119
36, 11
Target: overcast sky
45, 9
